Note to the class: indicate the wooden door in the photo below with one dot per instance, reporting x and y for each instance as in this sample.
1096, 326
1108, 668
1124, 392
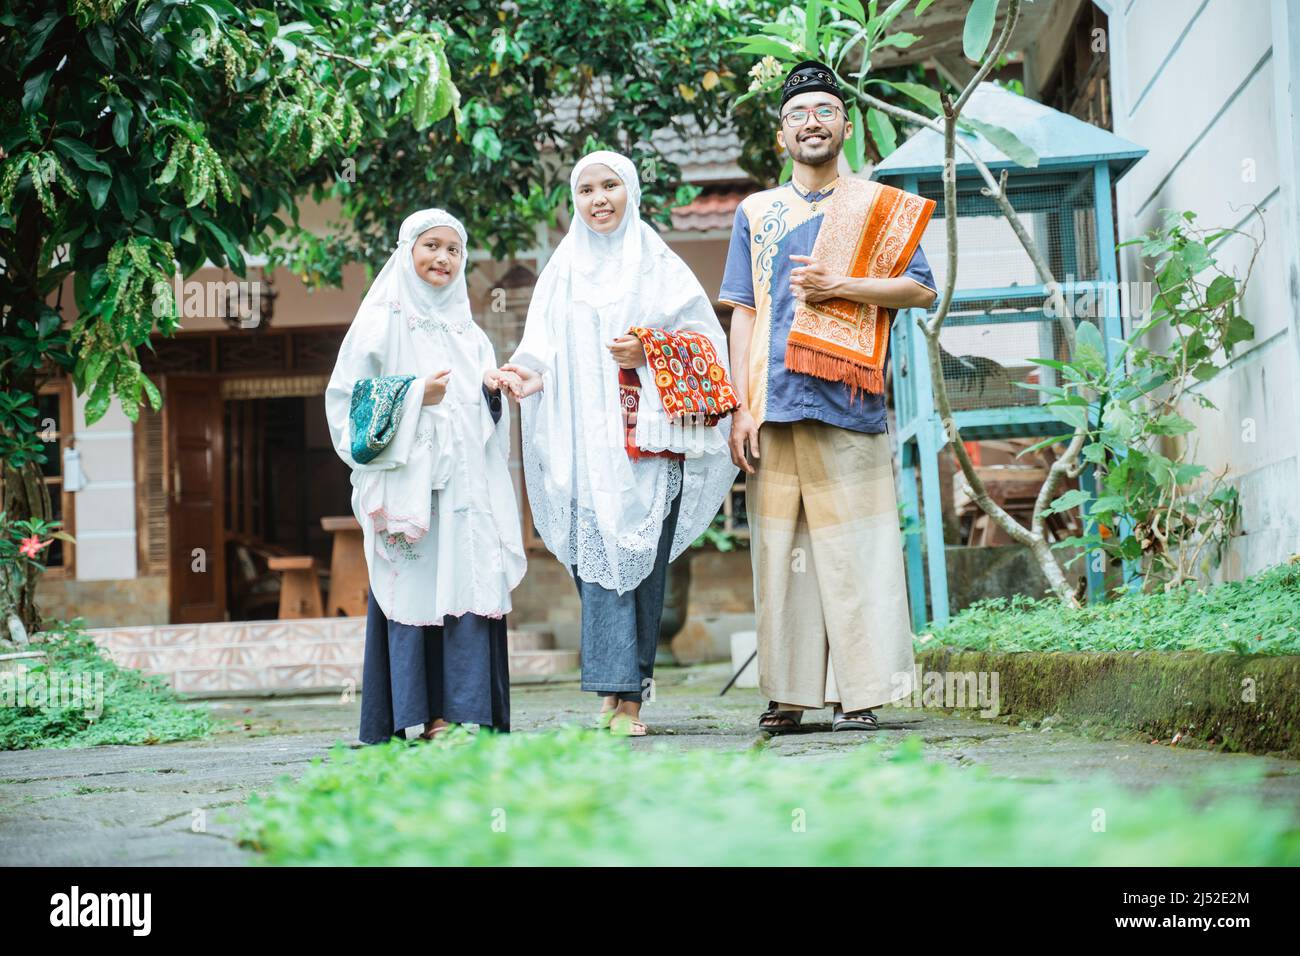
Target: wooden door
196, 558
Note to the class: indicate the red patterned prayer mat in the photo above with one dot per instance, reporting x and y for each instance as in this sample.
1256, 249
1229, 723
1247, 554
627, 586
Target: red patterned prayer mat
629, 393
689, 378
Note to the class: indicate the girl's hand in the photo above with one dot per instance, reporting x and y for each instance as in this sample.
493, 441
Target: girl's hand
496, 379
435, 387
526, 381
628, 352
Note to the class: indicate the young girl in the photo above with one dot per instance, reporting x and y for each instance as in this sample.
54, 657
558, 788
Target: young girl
615, 498
414, 408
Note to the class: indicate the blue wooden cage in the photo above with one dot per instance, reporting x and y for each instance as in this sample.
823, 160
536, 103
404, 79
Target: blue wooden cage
1000, 317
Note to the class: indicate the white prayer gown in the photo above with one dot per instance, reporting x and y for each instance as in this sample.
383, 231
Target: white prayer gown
594, 507
436, 505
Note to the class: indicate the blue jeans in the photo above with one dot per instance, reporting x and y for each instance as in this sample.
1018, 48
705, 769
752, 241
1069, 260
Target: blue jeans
620, 631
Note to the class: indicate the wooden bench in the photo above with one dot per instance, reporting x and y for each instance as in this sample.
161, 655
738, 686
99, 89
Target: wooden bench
299, 588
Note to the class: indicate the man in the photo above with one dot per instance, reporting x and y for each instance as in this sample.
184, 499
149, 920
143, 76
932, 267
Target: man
815, 270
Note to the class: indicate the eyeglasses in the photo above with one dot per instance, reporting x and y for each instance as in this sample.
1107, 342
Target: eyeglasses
824, 114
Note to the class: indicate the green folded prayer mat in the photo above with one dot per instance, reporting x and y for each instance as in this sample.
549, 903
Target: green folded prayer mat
376, 413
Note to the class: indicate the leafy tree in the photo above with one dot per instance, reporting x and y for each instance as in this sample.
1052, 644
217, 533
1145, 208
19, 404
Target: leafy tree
542, 82
139, 138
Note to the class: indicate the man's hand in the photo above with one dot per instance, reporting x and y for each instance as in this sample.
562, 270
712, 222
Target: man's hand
627, 350
435, 387
812, 282
744, 435
525, 382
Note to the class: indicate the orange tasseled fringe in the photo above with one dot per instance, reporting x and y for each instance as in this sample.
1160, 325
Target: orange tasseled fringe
810, 361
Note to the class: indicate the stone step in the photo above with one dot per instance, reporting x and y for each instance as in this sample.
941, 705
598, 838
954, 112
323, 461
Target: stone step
529, 639
543, 662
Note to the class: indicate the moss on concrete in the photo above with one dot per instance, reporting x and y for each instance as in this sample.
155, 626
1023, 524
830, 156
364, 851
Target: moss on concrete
1232, 702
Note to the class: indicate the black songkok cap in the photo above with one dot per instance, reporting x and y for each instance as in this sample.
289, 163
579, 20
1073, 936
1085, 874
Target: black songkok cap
810, 76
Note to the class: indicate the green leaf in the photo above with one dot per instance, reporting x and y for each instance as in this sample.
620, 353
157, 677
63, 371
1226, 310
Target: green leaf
1007, 142
127, 200
99, 39
902, 40
855, 148
1072, 415
766, 46
151, 392
882, 131
485, 141
924, 95
852, 7
98, 403
1071, 499
787, 170
98, 186
812, 20
978, 31
1171, 424
228, 246
1046, 442
121, 127
1239, 330
1221, 290
34, 91
1090, 352
81, 154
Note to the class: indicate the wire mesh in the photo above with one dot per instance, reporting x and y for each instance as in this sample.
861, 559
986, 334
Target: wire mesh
1057, 212
987, 342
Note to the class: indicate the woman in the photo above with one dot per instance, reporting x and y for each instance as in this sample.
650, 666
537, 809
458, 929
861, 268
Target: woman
614, 519
414, 408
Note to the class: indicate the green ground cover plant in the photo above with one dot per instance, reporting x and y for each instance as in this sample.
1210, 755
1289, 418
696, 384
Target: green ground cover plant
134, 708
544, 799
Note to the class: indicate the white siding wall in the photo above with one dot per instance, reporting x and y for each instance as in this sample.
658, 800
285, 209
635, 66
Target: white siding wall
105, 508
1197, 83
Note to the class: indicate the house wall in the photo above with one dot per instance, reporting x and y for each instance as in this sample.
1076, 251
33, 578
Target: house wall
1209, 86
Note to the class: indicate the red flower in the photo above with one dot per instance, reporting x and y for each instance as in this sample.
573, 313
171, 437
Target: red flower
31, 547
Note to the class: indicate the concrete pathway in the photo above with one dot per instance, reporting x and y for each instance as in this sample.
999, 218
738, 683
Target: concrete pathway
179, 804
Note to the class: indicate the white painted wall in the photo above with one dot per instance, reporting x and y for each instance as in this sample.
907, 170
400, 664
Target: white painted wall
105, 507
1209, 87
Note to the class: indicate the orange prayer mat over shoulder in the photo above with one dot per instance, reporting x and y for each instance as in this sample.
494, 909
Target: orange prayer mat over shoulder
869, 229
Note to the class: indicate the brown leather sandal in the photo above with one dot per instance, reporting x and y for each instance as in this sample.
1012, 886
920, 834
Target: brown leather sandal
774, 721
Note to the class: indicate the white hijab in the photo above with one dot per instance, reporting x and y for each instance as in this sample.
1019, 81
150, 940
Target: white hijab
428, 552
594, 507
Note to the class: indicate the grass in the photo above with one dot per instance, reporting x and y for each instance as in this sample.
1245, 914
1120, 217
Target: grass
136, 708
573, 797
1260, 615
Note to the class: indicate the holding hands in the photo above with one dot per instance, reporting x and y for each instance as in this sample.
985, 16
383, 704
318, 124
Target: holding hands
519, 380
498, 378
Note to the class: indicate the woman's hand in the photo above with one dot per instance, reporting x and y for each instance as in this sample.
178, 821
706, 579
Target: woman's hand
496, 379
526, 381
627, 350
435, 387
